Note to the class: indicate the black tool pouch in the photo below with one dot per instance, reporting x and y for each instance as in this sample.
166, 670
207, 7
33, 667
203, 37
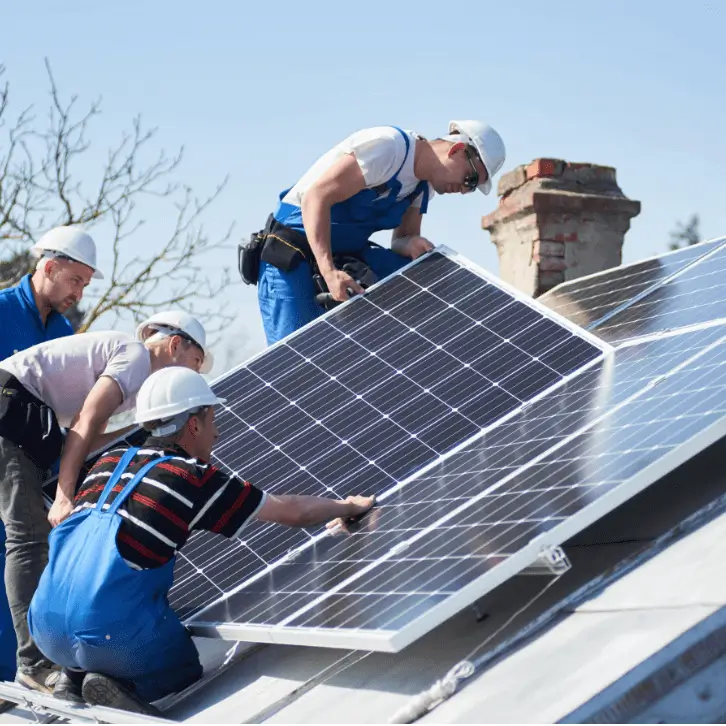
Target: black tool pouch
31, 425
248, 258
281, 254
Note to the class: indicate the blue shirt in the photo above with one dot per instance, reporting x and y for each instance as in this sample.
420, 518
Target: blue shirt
20, 328
20, 323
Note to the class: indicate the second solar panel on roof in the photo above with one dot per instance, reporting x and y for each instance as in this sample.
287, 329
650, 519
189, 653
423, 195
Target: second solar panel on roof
372, 393
587, 300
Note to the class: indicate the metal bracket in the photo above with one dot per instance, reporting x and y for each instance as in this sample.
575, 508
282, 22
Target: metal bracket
552, 560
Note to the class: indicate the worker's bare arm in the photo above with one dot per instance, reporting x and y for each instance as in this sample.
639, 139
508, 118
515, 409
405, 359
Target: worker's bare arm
305, 511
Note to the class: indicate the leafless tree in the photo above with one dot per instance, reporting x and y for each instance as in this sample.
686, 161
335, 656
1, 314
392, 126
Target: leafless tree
42, 185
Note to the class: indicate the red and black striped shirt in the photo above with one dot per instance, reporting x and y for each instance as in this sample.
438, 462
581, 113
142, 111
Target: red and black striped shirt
175, 498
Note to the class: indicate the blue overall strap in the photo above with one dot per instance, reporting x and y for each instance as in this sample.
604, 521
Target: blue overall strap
422, 187
117, 472
129, 488
425, 200
408, 147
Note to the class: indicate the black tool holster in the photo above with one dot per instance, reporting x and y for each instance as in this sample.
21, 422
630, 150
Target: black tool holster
28, 423
276, 244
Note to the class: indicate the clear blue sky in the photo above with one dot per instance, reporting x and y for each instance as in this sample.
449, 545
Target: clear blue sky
259, 90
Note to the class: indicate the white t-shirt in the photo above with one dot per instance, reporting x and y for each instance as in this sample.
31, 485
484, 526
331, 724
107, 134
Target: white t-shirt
380, 151
61, 372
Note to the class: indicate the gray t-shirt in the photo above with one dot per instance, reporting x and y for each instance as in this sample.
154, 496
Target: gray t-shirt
62, 372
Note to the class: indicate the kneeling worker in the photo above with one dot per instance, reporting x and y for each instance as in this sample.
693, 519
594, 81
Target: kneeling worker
101, 608
77, 382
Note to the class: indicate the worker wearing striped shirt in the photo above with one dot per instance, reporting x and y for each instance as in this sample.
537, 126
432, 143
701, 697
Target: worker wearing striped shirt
77, 382
101, 609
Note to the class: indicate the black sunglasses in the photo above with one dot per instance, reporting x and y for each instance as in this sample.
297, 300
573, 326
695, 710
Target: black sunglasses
189, 339
471, 181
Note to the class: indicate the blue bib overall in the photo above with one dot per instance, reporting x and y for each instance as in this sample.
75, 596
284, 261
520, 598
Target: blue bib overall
94, 612
287, 299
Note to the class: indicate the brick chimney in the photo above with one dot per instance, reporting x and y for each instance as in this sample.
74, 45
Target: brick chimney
557, 221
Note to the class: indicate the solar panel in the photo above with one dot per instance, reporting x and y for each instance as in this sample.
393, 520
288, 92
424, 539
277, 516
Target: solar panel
697, 295
371, 393
478, 517
586, 300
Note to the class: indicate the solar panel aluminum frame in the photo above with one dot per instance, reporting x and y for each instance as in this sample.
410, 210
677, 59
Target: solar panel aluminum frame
200, 628
596, 342
394, 641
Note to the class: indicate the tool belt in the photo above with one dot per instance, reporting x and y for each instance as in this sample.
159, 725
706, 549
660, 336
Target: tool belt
28, 423
276, 244
285, 248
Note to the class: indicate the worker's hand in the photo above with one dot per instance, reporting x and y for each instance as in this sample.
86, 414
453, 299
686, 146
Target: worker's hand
357, 507
415, 247
339, 282
61, 509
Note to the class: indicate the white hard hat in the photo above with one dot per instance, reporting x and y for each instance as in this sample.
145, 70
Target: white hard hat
70, 242
488, 144
169, 393
175, 322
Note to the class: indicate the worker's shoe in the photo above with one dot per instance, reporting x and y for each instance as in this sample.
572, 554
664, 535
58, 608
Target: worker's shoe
100, 690
69, 686
41, 678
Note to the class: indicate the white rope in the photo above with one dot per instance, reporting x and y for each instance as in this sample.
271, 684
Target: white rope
446, 687
440, 691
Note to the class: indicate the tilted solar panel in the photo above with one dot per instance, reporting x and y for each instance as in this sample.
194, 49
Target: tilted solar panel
371, 393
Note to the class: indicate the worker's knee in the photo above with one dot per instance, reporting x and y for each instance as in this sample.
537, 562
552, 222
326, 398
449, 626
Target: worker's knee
181, 668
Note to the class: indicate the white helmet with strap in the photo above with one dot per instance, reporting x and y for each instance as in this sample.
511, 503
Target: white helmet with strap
71, 242
171, 395
177, 322
488, 144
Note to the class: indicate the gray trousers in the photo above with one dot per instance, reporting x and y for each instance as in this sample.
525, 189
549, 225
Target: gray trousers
27, 529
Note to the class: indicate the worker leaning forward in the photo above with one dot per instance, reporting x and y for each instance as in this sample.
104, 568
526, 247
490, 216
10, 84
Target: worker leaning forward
77, 382
31, 312
101, 609
377, 179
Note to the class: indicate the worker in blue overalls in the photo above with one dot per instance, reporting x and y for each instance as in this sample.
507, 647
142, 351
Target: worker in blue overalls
32, 313
377, 179
101, 609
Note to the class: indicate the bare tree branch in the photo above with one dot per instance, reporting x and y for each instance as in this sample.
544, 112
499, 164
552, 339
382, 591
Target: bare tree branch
41, 186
